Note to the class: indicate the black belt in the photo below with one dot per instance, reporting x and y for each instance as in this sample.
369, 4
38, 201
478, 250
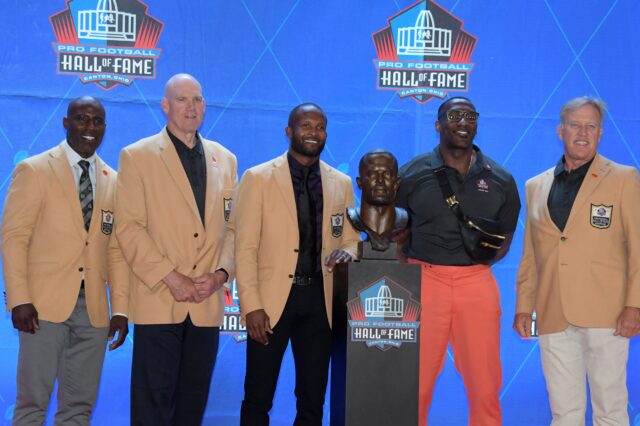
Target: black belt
305, 280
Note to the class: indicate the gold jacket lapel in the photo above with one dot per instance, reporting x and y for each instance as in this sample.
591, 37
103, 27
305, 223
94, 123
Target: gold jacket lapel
328, 191
212, 200
282, 176
60, 166
102, 181
596, 173
176, 171
544, 196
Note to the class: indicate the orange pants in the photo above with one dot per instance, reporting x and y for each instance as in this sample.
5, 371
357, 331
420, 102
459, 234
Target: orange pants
461, 306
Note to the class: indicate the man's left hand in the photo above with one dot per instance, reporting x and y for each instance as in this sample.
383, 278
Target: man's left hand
628, 322
209, 283
337, 256
118, 324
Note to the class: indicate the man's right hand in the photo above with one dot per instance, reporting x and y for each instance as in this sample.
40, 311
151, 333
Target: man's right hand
181, 287
25, 318
522, 324
258, 325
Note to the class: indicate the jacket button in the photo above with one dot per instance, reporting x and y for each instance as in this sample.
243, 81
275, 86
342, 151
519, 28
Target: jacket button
86, 243
80, 269
195, 235
194, 267
563, 238
290, 276
296, 250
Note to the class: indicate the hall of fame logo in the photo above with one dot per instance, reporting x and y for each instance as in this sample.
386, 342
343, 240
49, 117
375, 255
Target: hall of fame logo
423, 53
231, 323
384, 315
106, 42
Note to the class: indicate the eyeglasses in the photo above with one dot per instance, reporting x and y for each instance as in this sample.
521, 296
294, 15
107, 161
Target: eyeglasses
457, 115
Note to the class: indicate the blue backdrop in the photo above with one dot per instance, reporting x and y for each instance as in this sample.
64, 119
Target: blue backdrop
257, 59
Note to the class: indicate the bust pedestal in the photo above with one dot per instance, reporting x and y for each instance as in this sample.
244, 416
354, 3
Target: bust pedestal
375, 353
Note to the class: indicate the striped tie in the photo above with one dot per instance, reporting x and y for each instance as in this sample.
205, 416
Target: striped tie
86, 193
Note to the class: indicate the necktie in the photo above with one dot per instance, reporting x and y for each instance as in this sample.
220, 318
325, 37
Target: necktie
85, 191
307, 227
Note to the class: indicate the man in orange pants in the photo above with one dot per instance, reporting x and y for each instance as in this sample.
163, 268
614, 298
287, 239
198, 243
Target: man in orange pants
460, 297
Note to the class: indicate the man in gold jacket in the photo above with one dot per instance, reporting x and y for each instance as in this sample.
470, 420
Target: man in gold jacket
58, 253
175, 191
290, 233
580, 271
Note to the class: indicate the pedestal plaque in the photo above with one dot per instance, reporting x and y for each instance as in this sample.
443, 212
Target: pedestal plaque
376, 335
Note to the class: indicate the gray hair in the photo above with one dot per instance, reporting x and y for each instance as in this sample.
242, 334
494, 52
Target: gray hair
576, 103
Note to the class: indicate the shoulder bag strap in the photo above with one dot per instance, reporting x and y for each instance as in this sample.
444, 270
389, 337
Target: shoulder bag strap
447, 192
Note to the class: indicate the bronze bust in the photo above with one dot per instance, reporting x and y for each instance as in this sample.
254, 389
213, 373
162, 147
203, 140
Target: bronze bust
377, 215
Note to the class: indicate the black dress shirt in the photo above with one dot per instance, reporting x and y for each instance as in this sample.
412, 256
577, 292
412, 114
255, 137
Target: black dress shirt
564, 190
315, 189
193, 162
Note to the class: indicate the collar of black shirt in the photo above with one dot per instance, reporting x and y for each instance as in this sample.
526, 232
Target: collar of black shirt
580, 171
182, 148
296, 167
479, 164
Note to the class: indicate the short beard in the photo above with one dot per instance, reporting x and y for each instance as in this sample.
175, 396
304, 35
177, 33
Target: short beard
298, 146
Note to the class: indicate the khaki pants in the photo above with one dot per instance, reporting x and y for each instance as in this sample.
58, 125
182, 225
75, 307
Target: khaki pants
570, 356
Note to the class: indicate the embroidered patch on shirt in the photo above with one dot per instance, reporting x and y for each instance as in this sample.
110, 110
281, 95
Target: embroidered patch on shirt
482, 185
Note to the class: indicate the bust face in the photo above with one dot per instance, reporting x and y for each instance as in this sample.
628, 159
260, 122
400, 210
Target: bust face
378, 180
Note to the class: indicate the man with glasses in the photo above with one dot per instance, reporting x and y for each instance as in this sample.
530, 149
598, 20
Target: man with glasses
460, 297
58, 251
580, 271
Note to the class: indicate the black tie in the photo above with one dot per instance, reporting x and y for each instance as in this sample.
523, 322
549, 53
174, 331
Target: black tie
307, 227
85, 191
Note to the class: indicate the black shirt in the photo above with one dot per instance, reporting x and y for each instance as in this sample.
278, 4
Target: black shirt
315, 189
487, 191
564, 190
193, 162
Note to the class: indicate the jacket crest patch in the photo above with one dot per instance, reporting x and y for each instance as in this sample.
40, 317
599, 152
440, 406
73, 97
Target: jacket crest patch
601, 216
107, 222
337, 223
227, 208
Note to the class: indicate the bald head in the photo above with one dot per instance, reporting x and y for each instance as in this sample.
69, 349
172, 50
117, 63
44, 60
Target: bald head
178, 79
83, 100
297, 112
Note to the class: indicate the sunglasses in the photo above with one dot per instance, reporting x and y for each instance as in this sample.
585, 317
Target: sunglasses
457, 115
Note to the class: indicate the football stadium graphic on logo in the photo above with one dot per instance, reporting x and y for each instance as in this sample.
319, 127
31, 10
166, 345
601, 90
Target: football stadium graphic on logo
423, 53
384, 315
231, 323
106, 42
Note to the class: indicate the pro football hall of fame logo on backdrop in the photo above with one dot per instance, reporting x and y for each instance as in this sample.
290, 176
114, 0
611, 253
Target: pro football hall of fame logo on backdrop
424, 53
384, 315
106, 42
231, 324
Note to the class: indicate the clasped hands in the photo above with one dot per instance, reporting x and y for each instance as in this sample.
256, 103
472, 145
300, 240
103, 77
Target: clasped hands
185, 289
